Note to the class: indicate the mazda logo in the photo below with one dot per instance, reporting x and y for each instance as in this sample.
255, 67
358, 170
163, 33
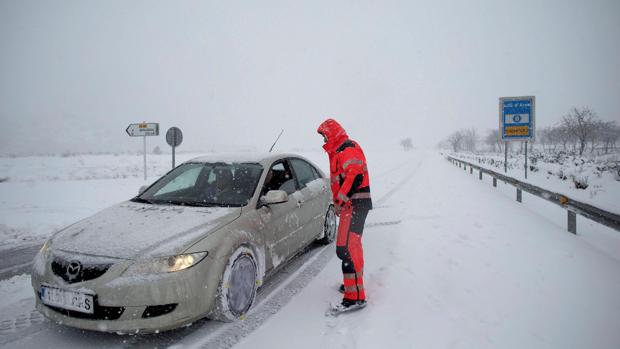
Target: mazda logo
73, 269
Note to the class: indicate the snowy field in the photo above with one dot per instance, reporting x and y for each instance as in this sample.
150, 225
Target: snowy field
42, 194
451, 262
594, 179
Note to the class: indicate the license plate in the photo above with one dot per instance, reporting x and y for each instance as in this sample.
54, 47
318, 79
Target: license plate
66, 299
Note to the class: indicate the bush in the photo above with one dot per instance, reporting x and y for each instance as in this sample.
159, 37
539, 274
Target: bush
561, 175
581, 182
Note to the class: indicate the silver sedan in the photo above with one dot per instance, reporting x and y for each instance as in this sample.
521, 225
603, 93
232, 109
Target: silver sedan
196, 243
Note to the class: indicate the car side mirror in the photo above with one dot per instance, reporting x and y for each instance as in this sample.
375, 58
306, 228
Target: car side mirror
142, 189
274, 197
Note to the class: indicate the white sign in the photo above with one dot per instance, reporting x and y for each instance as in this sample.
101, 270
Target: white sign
67, 299
143, 129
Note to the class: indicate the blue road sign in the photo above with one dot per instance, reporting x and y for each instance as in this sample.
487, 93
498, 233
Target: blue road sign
516, 118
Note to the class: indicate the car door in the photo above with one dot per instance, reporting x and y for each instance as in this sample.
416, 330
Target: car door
313, 206
280, 221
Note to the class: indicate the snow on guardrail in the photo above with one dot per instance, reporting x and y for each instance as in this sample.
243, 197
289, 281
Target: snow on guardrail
572, 206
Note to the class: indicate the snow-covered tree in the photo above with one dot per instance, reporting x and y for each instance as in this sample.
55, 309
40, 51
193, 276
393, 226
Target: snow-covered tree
581, 124
407, 144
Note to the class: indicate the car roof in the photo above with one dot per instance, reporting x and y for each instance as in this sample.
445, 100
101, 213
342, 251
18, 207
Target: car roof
263, 158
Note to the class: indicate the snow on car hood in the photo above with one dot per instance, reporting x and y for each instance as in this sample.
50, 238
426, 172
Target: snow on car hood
131, 230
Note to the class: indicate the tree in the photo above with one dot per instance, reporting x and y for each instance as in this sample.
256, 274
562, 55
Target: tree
609, 135
455, 140
492, 140
581, 124
407, 144
470, 139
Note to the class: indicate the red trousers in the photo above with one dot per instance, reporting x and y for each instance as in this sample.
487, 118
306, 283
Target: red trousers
349, 250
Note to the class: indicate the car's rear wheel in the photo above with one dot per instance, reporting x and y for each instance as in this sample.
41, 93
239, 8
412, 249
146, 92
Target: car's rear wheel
330, 227
237, 288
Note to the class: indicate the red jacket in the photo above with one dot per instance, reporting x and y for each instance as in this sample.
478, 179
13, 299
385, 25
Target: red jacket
347, 164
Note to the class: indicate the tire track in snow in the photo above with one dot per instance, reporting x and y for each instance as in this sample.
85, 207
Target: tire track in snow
225, 335
277, 292
400, 184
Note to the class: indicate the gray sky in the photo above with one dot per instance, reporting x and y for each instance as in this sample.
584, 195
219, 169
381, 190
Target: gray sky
230, 74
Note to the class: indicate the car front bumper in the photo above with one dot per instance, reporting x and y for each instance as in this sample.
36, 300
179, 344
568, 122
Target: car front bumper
129, 297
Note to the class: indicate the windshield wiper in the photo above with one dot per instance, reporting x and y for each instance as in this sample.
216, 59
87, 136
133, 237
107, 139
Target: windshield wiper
141, 200
194, 204
199, 204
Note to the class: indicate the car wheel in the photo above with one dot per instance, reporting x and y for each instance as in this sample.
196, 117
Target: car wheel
237, 288
330, 227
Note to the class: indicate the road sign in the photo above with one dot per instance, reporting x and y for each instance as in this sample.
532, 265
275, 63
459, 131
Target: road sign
516, 118
516, 122
143, 129
174, 137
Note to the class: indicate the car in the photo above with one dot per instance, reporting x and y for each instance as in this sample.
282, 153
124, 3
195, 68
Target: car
196, 243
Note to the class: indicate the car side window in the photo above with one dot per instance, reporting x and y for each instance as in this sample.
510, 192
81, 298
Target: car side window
279, 177
304, 171
317, 174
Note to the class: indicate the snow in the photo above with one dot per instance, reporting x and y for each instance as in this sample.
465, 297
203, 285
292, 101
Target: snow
558, 172
45, 194
12, 290
459, 271
233, 157
450, 262
120, 230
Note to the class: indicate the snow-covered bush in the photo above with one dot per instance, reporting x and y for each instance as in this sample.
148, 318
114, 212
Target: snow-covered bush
561, 175
581, 182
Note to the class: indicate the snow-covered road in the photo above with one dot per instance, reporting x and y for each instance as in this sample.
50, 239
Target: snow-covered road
467, 267
450, 263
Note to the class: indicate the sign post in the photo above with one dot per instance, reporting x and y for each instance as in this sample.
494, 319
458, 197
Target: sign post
517, 122
143, 129
174, 137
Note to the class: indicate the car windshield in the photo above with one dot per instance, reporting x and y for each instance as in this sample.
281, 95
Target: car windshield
205, 184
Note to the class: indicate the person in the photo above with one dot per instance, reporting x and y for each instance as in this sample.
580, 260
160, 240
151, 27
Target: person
221, 189
350, 186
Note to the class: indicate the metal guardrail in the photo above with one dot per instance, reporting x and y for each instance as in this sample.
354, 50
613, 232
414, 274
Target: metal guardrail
572, 206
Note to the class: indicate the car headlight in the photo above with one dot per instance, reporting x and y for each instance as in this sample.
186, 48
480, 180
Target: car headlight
45, 248
41, 258
165, 264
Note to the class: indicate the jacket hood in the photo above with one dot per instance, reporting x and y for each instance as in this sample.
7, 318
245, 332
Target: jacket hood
335, 134
132, 230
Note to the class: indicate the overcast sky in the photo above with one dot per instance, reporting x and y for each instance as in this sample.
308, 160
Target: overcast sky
231, 74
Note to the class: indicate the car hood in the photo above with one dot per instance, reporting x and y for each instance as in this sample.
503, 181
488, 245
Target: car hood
134, 230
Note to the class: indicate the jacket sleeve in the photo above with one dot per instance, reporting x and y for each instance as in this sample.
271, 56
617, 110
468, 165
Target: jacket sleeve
335, 185
352, 167
333, 177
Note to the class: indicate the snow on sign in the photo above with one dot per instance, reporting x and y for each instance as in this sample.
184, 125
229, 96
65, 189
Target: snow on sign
516, 118
143, 129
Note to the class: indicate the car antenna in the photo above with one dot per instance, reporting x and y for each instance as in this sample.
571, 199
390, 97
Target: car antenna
274, 143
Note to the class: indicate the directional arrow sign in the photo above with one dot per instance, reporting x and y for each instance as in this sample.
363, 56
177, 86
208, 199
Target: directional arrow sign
143, 129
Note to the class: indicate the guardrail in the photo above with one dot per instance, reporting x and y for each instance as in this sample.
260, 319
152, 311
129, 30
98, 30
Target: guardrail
573, 207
